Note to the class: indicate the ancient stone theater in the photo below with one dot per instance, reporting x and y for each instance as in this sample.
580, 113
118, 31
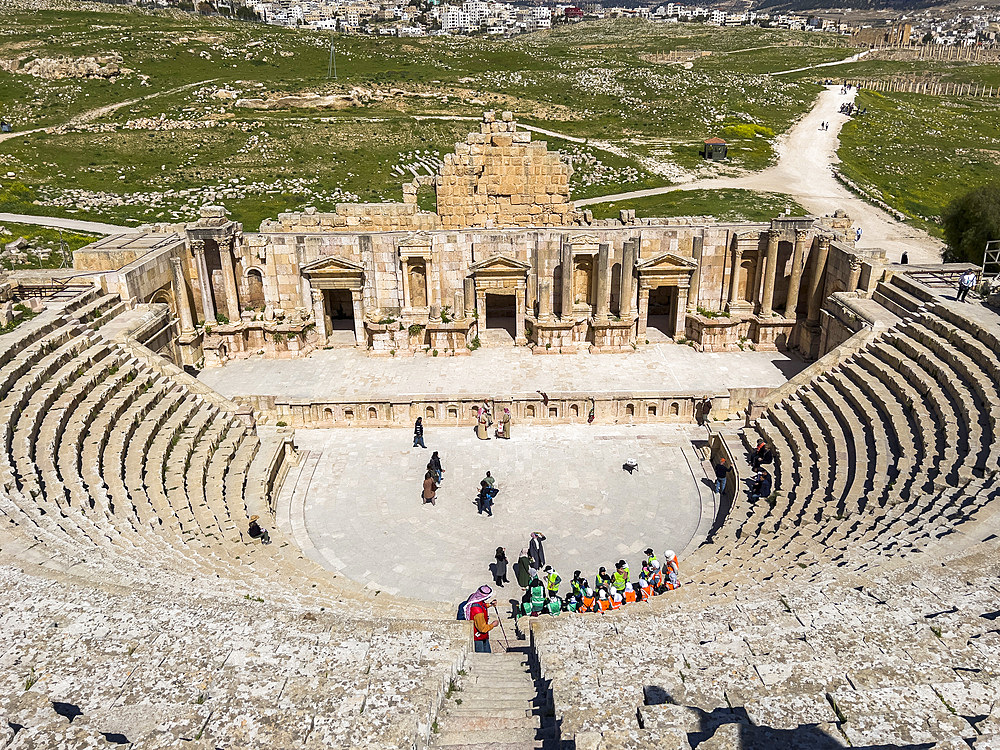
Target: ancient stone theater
855, 604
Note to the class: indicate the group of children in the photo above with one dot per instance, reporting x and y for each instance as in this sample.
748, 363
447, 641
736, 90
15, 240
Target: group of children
608, 592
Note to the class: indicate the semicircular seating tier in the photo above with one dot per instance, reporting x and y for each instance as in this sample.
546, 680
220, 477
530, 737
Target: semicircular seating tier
134, 596
855, 606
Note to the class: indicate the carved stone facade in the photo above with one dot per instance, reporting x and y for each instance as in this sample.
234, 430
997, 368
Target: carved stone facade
505, 260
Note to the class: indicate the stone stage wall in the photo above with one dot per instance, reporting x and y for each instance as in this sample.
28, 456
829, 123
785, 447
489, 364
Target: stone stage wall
562, 408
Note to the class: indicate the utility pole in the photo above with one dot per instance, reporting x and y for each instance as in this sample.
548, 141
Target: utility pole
331, 66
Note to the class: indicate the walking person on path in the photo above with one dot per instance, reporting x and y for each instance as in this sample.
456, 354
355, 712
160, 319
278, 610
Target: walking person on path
535, 550
485, 499
435, 466
418, 433
522, 571
477, 609
430, 489
500, 567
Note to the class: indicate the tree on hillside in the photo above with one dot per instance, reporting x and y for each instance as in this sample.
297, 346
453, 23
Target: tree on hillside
970, 221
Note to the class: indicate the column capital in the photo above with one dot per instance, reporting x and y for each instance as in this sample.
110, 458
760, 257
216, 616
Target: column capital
824, 241
773, 235
317, 294
802, 234
856, 261
737, 252
197, 246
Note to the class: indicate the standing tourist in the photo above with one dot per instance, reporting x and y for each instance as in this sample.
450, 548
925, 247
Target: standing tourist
552, 581
705, 411
966, 282
503, 429
482, 424
535, 550
430, 489
522, 571
418, 433
500, 567
721, 472
477, 610
620, 578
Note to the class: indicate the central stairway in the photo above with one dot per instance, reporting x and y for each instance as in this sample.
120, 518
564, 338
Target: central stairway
496, 705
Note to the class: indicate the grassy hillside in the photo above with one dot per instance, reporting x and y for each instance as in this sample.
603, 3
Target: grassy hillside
643, 120
918, 152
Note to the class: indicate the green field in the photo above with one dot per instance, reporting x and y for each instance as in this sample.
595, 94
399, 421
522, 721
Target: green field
39, 238
918, 152
643, 120
724, 205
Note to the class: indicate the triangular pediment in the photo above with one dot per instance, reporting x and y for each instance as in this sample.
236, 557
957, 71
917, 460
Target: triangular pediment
332, 265
500, 263
585, 239
420, 239
667, 262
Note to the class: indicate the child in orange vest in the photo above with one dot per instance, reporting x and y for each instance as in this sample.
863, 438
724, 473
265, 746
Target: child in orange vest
629, 594
646, 589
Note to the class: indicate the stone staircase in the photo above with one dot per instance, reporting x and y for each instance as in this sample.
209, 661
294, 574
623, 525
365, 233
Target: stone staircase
496, 705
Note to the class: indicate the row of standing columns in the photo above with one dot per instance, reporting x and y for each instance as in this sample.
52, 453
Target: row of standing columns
602, 308
769, 272
227, 261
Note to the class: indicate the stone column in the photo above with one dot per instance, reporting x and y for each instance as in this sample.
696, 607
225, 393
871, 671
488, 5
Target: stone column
470, 296
204, 281
359, 316
544, 299
770, 273
802, 237
603, 271
567, 282
734, 277
519, 311
815, 289
458, 304
627, 291
697, 245
852, 282
181, 300
319, 314
432, 290
680, 322
405, 265
643, 310
227, 258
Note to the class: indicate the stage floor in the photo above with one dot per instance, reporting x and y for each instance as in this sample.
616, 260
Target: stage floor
350, 374
353, 504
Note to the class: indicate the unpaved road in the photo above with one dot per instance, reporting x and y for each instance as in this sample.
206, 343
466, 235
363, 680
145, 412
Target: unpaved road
93, 114
75, 225
805, 155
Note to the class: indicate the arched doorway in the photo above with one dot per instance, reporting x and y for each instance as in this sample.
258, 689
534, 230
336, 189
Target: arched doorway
255, 290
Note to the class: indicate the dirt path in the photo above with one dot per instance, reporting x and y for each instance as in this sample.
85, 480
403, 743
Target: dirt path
93, 114
805, 155
76, 225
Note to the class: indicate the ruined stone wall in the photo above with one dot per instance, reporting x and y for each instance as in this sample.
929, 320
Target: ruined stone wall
356, 217
500, 178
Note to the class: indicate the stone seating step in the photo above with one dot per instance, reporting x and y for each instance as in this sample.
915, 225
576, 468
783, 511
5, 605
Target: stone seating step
897, 300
